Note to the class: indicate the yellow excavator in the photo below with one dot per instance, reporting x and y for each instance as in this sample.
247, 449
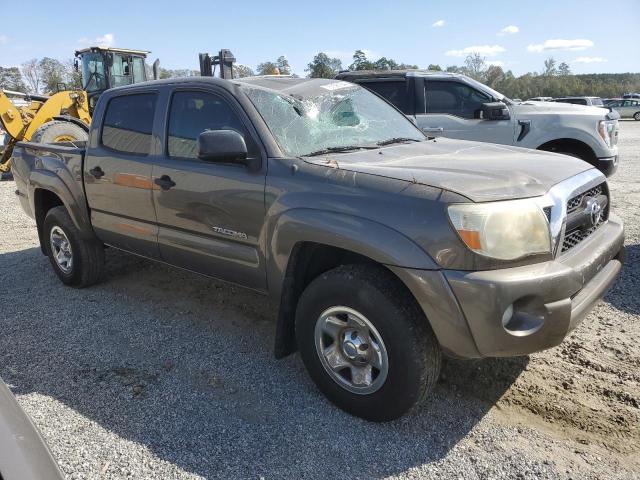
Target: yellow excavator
65, 116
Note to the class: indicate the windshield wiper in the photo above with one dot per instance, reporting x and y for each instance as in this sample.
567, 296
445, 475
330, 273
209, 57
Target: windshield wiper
342, 149
396, 140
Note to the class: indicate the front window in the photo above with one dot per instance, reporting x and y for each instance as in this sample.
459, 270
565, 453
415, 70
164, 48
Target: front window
316, 117
93, 77
454, 98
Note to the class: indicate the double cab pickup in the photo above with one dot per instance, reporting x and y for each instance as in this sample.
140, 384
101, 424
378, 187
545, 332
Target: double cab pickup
383, 247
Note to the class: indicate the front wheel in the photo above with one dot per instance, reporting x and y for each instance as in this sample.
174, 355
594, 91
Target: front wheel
76, 261
636, 116
365, 343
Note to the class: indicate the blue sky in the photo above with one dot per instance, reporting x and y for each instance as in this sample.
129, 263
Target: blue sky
592, 36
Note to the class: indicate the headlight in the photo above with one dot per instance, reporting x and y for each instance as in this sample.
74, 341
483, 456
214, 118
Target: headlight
502, 230
605, 129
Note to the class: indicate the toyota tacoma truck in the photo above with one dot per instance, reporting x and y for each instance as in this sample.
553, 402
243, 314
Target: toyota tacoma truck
456, 106
385, 249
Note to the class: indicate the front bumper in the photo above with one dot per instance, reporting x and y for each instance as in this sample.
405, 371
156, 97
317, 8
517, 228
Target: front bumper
521, 310
607, 165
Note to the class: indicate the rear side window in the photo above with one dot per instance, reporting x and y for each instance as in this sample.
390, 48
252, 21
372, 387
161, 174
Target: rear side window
128, 123
194, 112
453, 98
394, 92
597, 101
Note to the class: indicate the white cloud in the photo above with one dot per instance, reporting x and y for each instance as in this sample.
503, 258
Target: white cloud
496, 63
486, 50
589, 60
106, 40
561, 44
508, 30
439, 23
4, 39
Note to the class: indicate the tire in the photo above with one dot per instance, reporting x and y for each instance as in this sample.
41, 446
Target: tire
636, 116
86, 265
59, 131
403, 333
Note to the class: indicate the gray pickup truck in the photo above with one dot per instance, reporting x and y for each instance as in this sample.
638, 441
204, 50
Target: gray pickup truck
384, 248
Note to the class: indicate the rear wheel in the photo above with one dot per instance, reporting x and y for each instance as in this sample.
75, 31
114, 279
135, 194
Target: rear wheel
59, 131
636, 116
365, 343
76, 261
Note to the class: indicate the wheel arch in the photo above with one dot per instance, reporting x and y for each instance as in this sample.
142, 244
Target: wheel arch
571, 145
307, 243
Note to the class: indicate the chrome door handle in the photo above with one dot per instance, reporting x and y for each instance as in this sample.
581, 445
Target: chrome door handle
433, 129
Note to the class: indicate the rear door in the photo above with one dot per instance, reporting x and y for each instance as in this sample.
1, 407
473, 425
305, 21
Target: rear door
399, 91
117, 174
210, 215
450, 109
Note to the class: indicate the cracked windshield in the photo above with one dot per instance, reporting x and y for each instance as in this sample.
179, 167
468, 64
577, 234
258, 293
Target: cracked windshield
332, 117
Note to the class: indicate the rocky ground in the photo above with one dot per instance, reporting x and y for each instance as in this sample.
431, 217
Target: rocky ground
160, 374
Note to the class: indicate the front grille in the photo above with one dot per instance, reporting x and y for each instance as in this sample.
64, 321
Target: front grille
571, 239
577, 234
574, 202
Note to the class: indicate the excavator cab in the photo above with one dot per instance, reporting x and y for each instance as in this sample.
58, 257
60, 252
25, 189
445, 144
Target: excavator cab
104, 68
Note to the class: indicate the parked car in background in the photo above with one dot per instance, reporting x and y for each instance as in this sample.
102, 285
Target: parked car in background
590, 101
452, 105
540, 99
23, 453
631, 95
627, 108
382, 247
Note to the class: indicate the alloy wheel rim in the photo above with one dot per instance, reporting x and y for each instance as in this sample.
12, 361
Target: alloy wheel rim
61, 249
351, 350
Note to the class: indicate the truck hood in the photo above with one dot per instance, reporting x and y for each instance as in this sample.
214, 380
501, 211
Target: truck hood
558, 108
479, 171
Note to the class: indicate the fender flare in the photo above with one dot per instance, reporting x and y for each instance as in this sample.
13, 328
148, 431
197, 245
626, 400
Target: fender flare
48, 180
373, 240
365, 237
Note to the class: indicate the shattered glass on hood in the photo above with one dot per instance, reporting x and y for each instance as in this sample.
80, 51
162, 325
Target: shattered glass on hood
318, 115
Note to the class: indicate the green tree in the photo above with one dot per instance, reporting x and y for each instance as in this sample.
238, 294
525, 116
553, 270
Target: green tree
550, 67
322, 66
563, 69
283, 65
11, 79
266, 68
360, 61
434, 67
53, 74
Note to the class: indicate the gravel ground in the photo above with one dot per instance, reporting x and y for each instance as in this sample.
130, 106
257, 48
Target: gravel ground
157, 373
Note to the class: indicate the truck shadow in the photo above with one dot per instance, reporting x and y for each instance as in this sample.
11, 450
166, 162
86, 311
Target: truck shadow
183, 366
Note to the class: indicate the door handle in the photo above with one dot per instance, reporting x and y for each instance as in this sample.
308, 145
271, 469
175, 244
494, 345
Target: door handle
97, 172
164, 182
433, 129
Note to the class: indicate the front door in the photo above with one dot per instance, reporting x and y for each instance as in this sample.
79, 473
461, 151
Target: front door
450, 110
210, 215
117, 175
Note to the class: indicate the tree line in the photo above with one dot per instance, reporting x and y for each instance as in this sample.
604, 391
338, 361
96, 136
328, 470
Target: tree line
48, 75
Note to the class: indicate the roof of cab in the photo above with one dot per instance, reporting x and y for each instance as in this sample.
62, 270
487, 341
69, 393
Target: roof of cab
347, 75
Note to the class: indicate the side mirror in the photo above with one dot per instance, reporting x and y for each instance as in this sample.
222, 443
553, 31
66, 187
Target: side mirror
224, 146
494, 111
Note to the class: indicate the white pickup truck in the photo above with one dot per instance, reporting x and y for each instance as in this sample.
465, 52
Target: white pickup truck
456, 106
